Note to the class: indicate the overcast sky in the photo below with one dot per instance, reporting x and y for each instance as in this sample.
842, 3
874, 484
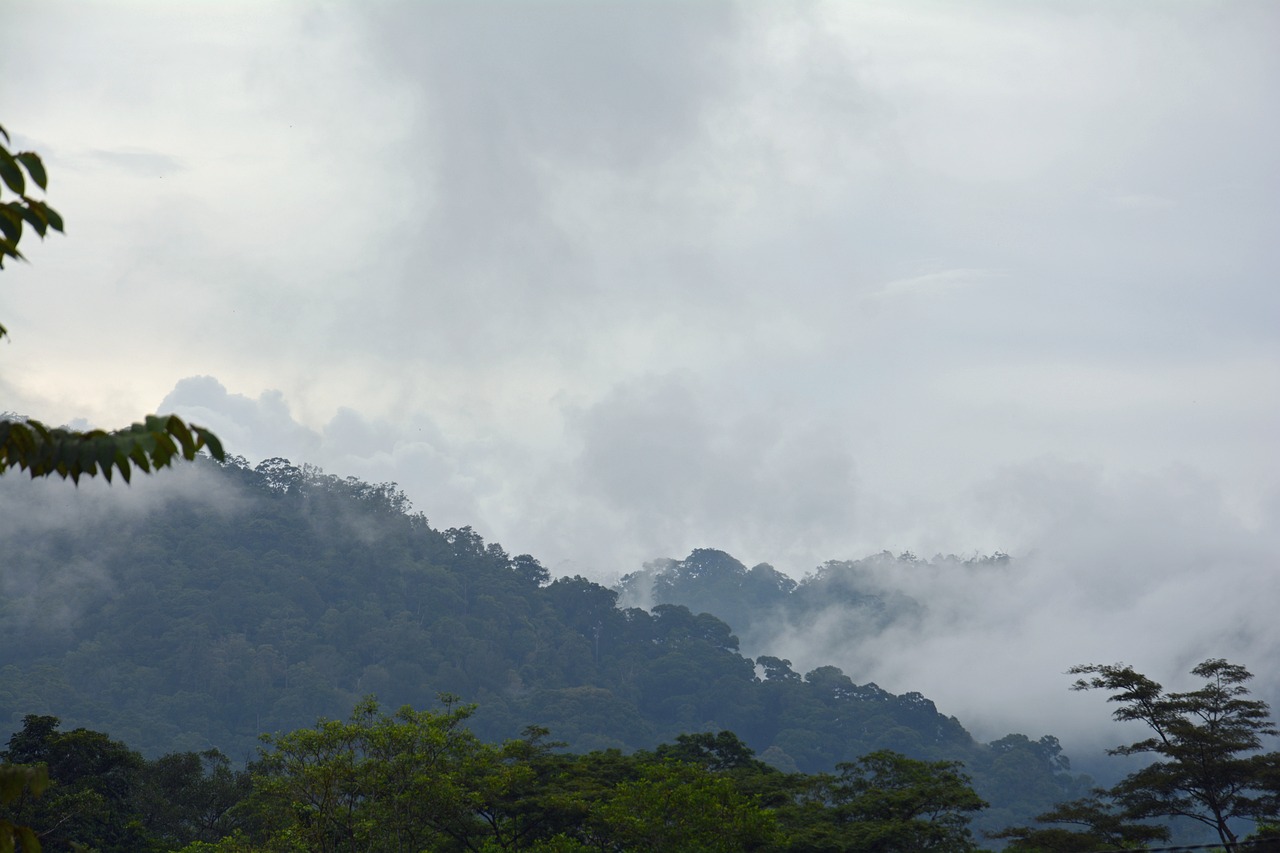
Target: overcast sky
611, 281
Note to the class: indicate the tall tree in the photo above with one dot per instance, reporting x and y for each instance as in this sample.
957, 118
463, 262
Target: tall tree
1207, 743
1087, 824
680, 806
376, 782
886, 802
93, 784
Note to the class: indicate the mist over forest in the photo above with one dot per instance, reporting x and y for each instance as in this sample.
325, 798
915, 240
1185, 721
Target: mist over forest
987, 637
839, 373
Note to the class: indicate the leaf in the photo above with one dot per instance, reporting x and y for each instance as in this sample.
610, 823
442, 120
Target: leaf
33, 214
11, 225
55, 221
212, 442
164, 451
34, 167
29, 840
122, 462
139, 457
11, 174
105, 455
69, 454
179, 430
15, 777
9, 248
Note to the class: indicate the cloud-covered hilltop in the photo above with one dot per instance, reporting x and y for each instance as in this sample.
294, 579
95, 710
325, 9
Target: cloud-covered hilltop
612, 283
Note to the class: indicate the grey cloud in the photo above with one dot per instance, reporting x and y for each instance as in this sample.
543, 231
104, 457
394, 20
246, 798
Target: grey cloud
140, 162
673, 469
613, 84
31, 509
446, 482
613, 281
1157, 571
251, 428
582, 169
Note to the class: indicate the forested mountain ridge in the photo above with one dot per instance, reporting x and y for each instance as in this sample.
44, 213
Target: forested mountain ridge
202, 623
762, 603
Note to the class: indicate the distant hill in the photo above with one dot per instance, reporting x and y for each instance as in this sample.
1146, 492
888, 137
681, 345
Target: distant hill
762, 603
257, 599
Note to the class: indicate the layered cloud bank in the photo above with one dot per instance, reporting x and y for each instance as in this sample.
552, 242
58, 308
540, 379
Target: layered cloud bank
614, 282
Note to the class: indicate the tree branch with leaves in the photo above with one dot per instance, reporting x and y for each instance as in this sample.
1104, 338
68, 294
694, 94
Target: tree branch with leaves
40, 450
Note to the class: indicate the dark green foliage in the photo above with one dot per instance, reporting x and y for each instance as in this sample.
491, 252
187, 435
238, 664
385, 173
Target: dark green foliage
23, 211
888, 802
1088, 824
203, 625
677, 806
1208, 766
153, 444
19, 784
716, 752
187, 796
93, 778
420, 780
101, 794
373, 783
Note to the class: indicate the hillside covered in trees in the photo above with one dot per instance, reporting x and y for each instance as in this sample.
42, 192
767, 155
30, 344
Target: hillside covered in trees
848, 597
251, 600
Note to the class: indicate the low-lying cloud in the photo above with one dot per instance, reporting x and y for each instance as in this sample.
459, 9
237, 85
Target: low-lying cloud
1156, 571
610, 283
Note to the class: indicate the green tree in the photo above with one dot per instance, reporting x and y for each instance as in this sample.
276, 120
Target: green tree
715, 752
188, 796
887, 802
93, 782
1207, 744
375, 782
1087, 824
680, 806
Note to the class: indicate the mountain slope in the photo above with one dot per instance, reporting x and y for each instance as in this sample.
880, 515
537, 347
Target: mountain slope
237, 600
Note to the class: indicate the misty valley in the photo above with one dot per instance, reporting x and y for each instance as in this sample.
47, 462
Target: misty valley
695, 308
167, 657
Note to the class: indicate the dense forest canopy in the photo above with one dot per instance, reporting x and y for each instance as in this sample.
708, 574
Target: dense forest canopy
257, 599
420, 780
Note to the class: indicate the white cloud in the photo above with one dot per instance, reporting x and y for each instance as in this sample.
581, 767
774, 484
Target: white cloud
614, 281
1155, 571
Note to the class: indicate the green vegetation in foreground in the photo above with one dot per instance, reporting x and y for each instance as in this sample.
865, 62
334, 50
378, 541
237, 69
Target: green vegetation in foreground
423, 781
420, 780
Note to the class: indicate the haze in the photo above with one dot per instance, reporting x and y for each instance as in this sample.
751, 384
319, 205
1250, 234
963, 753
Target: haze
612, 281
